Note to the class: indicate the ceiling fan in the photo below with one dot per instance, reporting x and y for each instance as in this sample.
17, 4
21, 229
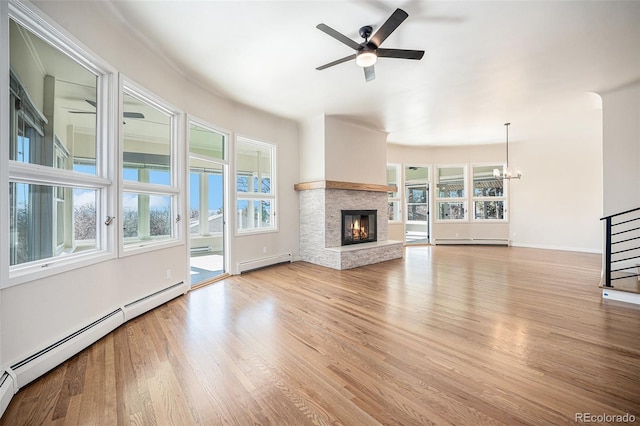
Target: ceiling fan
368, 52
126, 114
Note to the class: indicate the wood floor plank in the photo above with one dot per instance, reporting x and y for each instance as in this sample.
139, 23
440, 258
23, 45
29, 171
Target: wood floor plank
460, 335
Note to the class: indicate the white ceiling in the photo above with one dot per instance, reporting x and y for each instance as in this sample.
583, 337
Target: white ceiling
485, 63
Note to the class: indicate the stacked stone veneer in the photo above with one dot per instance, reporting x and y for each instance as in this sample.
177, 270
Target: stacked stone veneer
321, 226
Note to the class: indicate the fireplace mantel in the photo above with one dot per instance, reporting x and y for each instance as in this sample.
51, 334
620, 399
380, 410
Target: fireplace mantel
335, 184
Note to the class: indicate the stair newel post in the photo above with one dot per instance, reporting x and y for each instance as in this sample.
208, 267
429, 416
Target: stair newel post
607, 255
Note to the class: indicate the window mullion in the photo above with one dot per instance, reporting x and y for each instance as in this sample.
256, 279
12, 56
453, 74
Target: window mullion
43, 175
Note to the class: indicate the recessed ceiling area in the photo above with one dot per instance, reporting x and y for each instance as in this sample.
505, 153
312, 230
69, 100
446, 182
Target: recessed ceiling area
485, 63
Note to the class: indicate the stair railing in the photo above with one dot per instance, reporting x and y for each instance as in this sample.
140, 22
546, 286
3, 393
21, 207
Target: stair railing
622, 246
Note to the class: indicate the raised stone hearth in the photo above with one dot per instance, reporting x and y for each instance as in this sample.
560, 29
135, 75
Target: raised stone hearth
347, 257
321, 204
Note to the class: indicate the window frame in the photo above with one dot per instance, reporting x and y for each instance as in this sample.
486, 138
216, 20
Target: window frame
40, 25
129, 87
504, 197
397, 198
464, 200
256, 196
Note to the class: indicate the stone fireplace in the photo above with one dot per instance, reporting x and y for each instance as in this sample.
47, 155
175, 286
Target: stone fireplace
322, 220
358, 226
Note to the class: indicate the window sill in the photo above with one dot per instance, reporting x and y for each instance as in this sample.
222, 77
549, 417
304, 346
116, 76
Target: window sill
23, 274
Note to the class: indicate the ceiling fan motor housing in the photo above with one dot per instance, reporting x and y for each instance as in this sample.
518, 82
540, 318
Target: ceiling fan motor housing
365, 32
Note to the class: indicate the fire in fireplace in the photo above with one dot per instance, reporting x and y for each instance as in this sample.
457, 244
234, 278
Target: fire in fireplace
359, 226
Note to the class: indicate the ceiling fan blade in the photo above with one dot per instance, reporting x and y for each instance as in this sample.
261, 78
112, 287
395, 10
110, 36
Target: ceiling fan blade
400, 53
388, 27
132, 114
126, 114
338, 36
336, 62
369, 73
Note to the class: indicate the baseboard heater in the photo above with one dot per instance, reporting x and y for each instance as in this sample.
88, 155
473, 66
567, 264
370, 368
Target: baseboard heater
25, 371
140, 306
35, 365
472, 241
199, 250
7, 390
262, 262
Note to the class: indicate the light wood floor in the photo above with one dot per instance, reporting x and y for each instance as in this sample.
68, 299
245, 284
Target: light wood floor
449, 335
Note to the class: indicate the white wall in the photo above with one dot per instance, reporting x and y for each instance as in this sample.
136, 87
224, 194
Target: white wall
332, 148
354, 153
36, 313
312, 150
621, 149
558, 202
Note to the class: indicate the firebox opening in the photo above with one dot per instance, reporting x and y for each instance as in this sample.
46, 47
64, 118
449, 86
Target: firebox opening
359, 226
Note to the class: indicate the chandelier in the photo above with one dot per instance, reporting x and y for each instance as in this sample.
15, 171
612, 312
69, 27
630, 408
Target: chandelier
508, 174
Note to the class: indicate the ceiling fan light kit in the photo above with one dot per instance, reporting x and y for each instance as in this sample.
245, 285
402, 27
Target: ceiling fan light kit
366, 58
368, 52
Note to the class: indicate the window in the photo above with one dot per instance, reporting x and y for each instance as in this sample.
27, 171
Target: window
393, 179
488, 194
53, 126
255, 186
451, 193
149, 171
70, 227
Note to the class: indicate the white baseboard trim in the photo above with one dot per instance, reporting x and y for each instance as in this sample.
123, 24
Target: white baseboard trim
471, 241
561, 248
